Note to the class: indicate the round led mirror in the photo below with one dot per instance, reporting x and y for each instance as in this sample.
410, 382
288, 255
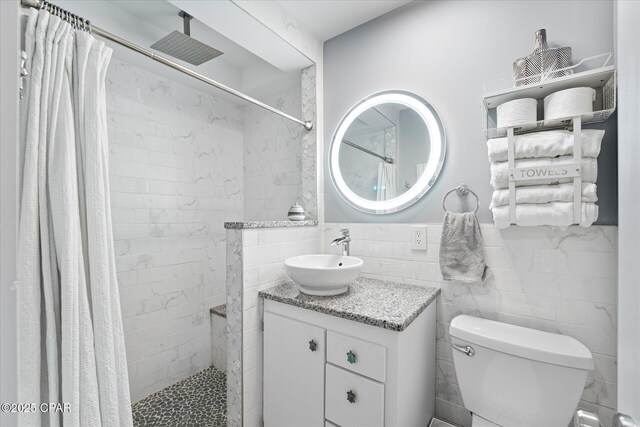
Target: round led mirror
387, 152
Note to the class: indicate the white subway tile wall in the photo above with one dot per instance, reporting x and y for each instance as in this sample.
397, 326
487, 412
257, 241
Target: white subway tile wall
264, 252
176, 175
561, 281
273, 157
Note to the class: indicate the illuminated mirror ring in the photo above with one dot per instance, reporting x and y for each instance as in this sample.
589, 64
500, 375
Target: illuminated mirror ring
435, 154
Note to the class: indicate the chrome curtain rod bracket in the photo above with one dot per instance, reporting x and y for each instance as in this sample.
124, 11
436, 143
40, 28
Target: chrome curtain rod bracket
85, 25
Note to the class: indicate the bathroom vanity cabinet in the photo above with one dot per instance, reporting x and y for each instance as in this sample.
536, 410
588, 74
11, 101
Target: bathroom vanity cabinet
344, 369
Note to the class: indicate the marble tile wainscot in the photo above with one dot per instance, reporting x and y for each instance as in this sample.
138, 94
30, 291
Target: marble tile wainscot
561, 281
256, 251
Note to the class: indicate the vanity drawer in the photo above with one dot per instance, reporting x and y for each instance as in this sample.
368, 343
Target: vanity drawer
363, 357
352, 400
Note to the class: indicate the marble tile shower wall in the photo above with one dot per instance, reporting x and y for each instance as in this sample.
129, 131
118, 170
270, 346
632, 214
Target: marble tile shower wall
176, 175
554, 280
273, 157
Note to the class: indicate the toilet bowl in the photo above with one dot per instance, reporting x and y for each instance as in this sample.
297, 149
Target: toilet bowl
511, 376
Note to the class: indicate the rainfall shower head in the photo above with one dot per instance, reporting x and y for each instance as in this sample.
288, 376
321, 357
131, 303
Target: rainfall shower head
184, 47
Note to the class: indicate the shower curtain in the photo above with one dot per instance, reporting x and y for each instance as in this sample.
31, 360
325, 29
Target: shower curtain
387, 181
70, 337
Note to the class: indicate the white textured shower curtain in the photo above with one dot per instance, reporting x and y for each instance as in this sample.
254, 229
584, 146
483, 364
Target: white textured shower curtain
70, 336
387, 181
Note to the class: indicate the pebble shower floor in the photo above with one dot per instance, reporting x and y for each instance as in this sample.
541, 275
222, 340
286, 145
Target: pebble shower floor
197, 401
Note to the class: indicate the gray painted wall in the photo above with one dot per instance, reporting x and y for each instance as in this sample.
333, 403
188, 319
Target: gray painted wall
444, 51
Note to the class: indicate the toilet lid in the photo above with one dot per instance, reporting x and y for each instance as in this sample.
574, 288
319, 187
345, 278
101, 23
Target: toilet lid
523, 342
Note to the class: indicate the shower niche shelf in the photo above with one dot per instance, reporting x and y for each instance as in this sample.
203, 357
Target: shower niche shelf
594, 72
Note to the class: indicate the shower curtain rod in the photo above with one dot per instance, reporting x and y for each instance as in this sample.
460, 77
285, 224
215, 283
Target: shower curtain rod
357, 147
39, 4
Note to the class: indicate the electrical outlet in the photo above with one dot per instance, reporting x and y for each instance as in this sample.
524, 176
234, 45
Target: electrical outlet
419, 238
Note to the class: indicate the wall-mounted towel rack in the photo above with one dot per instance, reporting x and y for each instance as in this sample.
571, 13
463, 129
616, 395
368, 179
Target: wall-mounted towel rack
461, 190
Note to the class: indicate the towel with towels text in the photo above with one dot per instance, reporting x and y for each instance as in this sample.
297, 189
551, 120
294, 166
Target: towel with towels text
500, 171
461, 251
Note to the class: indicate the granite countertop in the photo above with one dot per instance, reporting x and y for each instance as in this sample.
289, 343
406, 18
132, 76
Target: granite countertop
374, 302
239, 225
220, 310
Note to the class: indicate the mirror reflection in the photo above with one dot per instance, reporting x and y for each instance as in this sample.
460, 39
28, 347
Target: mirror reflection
384, 151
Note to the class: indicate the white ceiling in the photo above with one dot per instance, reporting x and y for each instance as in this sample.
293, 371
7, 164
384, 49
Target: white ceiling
253, 67
255, 61
329, 18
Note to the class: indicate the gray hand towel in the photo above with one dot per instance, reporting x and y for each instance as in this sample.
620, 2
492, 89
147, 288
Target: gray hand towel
461, 252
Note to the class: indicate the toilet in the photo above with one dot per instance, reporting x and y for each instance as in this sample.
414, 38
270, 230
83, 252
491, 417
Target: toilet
511, 376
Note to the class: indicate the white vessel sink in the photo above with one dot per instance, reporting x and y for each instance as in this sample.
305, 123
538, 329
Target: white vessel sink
323, 274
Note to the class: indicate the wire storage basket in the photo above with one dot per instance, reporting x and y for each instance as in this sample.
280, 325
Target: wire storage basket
544, 63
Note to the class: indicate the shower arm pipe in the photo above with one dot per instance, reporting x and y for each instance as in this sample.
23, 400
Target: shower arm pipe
308, 125
358, 147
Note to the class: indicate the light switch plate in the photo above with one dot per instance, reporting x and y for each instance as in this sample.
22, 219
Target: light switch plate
419, 238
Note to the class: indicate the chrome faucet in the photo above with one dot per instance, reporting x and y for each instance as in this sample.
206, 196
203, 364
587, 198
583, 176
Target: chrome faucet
344, 241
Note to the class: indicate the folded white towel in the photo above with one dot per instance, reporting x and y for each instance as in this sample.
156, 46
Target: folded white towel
559, 214
545, 194
500, 171
552, 143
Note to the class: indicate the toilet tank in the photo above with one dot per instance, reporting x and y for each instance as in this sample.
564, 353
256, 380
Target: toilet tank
518, 376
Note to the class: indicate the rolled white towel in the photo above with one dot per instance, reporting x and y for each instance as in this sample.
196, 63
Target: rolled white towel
552, 143
500, 171
559, 214
545, 194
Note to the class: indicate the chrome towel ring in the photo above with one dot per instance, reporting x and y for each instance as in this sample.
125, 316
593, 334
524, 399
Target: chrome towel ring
461, 190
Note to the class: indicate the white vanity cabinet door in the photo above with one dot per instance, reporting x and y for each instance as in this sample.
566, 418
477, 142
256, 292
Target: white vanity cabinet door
353, 400
293, 373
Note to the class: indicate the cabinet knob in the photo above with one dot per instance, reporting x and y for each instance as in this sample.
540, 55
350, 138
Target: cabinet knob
313, 346
351, 396
351, 357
